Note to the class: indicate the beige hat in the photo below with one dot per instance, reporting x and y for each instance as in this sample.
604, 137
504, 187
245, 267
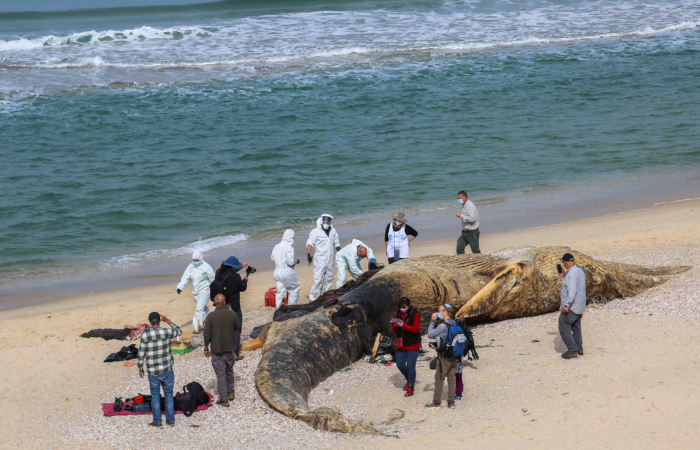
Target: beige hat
401, 217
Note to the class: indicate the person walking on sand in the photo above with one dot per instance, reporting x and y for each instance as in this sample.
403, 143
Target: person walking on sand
348, 260
324, 239
397, 238
220, 331
284, 275
406, 326
470, 225
155, 350
573, 305
446, 365
201, 275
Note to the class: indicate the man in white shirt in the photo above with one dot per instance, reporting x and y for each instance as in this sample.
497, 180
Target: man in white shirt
573, 305
470, 225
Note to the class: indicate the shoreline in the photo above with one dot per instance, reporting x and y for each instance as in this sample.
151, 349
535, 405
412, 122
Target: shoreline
556, 234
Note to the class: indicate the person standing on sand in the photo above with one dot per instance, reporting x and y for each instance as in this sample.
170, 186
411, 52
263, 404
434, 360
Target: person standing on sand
220, 331
155, 350
397, 238
324, 239
470, 225
406, 326
573, 305
284, 275
446, 365
201, 275
233, 286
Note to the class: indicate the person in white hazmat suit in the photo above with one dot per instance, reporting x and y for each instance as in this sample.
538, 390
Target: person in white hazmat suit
325, 240
284, 275
348, 259
201, 275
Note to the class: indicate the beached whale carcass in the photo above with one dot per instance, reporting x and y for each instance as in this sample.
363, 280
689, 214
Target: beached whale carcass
299, 353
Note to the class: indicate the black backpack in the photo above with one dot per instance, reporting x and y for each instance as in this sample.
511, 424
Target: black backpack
218, 286
470, 350
193, 397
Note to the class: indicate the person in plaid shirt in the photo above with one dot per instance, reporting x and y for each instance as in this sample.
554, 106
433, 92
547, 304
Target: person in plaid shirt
155, 348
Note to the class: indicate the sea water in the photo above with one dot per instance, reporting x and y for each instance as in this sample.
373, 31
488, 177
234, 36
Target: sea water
134, 133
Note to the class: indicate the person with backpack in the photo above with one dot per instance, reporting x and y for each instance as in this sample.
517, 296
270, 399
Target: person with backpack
451, 345
406, 326
201, 275
229, 282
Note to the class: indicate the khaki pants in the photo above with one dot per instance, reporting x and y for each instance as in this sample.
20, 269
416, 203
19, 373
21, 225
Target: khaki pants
445, 369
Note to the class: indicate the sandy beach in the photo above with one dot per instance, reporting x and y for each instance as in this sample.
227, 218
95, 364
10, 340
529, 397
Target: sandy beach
634, 388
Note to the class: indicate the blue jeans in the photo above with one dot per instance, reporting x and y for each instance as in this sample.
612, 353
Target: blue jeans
406, 362
168, 382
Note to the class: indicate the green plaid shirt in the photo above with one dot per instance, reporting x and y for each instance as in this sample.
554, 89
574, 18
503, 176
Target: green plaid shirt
155, 347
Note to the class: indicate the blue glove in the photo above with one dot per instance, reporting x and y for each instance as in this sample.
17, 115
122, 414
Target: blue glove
373, 260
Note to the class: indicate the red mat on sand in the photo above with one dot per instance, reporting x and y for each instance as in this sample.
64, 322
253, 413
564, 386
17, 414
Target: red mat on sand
108, 409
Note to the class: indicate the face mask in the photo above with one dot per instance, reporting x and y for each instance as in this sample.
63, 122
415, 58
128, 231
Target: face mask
461, 201
326, 226
196, 263
439, 316
404, 310
397, 224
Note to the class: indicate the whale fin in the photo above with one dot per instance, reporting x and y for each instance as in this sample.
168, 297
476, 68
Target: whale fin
488, 298
257, 342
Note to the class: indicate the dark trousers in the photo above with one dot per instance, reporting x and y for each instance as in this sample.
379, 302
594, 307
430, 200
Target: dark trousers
471, 239
223, 368
237, 333
459, 386
392, 260
406, 363
445, 369
570, 330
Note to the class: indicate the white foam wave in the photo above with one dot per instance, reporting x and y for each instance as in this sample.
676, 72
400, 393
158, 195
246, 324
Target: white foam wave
203, 246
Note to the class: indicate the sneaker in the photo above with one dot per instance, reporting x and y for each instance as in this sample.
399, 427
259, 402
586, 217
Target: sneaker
458, 398
157, 425
223, 403
405, 388
580, 353
231, 396
172, 424
432, 405
451, 406
569, 355
409, 392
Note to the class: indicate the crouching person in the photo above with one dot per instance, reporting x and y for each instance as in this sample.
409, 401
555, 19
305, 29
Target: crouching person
155, 349
220, 331
446, 365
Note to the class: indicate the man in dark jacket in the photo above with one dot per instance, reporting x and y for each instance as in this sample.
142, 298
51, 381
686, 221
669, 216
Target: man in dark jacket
220, 330
233, 286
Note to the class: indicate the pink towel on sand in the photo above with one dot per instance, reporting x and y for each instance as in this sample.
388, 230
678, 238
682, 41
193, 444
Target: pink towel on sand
108, 409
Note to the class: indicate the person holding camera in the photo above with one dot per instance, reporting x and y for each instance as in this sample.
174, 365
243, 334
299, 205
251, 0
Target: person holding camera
406, 326
573, 305
284, 275
446, 365
233, 286
220, 331
155, 350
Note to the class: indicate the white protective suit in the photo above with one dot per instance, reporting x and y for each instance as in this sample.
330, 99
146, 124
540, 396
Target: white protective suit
347, 259
324, 257
284, 275
201, 278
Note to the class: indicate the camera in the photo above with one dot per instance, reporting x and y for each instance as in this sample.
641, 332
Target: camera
249, 270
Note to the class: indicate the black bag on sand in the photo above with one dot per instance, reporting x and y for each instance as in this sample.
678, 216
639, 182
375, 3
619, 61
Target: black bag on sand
192, 397
125, 354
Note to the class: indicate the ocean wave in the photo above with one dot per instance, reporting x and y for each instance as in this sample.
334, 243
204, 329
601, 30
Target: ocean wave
203, 246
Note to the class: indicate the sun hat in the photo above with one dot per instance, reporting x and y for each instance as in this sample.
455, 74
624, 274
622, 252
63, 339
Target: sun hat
232, 261
401, 217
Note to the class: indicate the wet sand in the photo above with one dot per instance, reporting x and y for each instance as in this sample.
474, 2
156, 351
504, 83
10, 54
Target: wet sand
636, 382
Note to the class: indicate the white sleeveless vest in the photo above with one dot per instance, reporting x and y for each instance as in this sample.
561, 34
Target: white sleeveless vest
397, 240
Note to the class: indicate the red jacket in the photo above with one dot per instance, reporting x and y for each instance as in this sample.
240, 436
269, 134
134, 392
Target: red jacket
415, 328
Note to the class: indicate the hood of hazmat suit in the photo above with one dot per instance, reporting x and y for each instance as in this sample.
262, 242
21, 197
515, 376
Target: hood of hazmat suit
283, 253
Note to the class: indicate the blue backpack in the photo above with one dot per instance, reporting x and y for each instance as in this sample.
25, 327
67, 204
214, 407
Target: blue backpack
455, 346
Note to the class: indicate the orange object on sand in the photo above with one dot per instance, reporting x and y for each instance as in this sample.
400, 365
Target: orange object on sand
270, 298
130, 363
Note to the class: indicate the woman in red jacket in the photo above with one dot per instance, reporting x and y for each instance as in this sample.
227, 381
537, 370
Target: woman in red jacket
406, 327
